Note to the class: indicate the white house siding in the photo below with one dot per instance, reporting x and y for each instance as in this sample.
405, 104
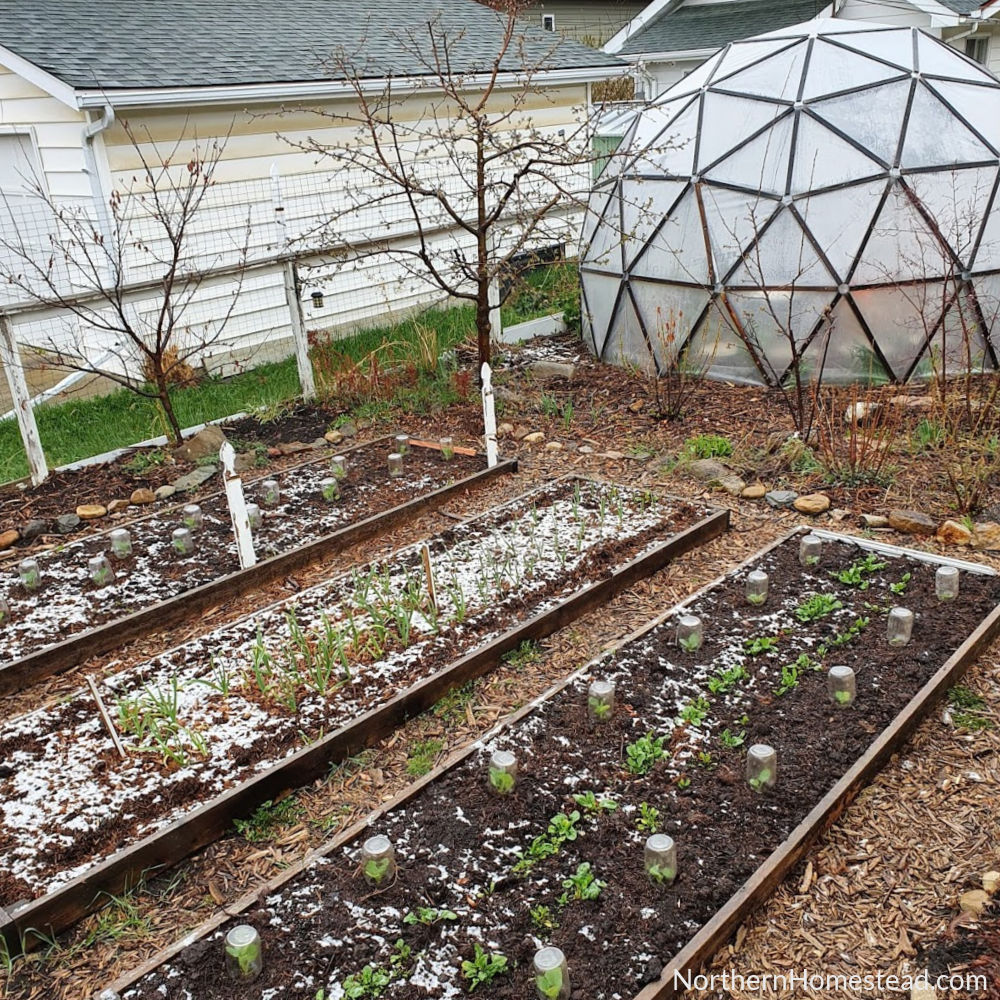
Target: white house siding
367, 292
591, 23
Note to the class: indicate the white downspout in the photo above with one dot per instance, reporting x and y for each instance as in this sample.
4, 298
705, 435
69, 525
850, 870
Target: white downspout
90, 131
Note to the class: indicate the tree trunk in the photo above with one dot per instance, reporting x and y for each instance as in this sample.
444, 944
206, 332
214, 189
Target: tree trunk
163, 396
483, 328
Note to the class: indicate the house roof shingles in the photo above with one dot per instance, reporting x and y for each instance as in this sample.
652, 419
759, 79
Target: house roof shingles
710, 26
118, 44
962, 6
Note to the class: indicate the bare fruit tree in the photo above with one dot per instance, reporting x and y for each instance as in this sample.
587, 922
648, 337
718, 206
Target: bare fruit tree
457, 175
127, 275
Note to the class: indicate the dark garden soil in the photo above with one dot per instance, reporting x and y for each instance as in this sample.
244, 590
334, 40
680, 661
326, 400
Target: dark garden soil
973, 951
104, 821
68, 602
457, 843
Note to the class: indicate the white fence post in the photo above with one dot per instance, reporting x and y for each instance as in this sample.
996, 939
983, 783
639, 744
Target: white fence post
306, 379
237, 507
10, 358
489, 416
496, 322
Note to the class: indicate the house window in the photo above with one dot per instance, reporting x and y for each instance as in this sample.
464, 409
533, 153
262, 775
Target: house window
977, 49
549, 22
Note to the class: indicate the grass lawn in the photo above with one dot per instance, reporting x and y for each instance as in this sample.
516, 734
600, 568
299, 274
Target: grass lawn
78, 429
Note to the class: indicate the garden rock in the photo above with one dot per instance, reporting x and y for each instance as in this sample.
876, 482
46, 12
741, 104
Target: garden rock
505, 430
348, 430
614, 455
33, 529
142, 496
165, 492
244, 462
91, 511
585, 449
857, 412
706, 470
116, 505
953, 533
973, 902
195, 478
520, 432
912, 522
553, 446
781, 498
292, 447
733, 485
205, 443
986, 535
65, 523
991, 882
755, 491
551, 369
534, 437
333, 437
319, 443
875, 520
812, 503
9, 538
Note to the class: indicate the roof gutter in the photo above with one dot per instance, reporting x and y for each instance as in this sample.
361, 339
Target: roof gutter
264, 93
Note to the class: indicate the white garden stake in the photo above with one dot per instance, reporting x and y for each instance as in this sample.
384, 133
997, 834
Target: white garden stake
237, 507
489, 416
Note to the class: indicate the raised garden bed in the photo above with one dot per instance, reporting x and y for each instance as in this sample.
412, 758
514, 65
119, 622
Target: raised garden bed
228, 720
69, 618
483, 880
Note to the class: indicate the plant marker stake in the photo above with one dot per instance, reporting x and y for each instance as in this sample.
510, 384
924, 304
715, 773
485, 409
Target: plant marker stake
10, 358
489, 415
425, 555
107, 718
237, 507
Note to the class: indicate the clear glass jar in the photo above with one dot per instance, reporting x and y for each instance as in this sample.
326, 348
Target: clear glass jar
659, 858
762, 767
378, 860
254, 516
810, 551
551, 974
270, 493
401, 443
841, 685
338, 466
756, 587
30, 574
121, 543
395, 464
182, 541
192, 518
690, 633
601, 700
899, 626
503, 772
447, 449
330, 488
244, 954
99, 568
4, 610
946, 582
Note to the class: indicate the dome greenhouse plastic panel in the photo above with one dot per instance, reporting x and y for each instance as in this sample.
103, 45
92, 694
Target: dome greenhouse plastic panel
829, 190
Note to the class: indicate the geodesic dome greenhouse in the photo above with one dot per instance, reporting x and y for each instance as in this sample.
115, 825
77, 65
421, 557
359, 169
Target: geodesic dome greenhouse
826, 192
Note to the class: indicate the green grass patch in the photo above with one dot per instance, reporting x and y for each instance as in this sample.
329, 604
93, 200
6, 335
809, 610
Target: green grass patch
422, 756
268, 817
77, 429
